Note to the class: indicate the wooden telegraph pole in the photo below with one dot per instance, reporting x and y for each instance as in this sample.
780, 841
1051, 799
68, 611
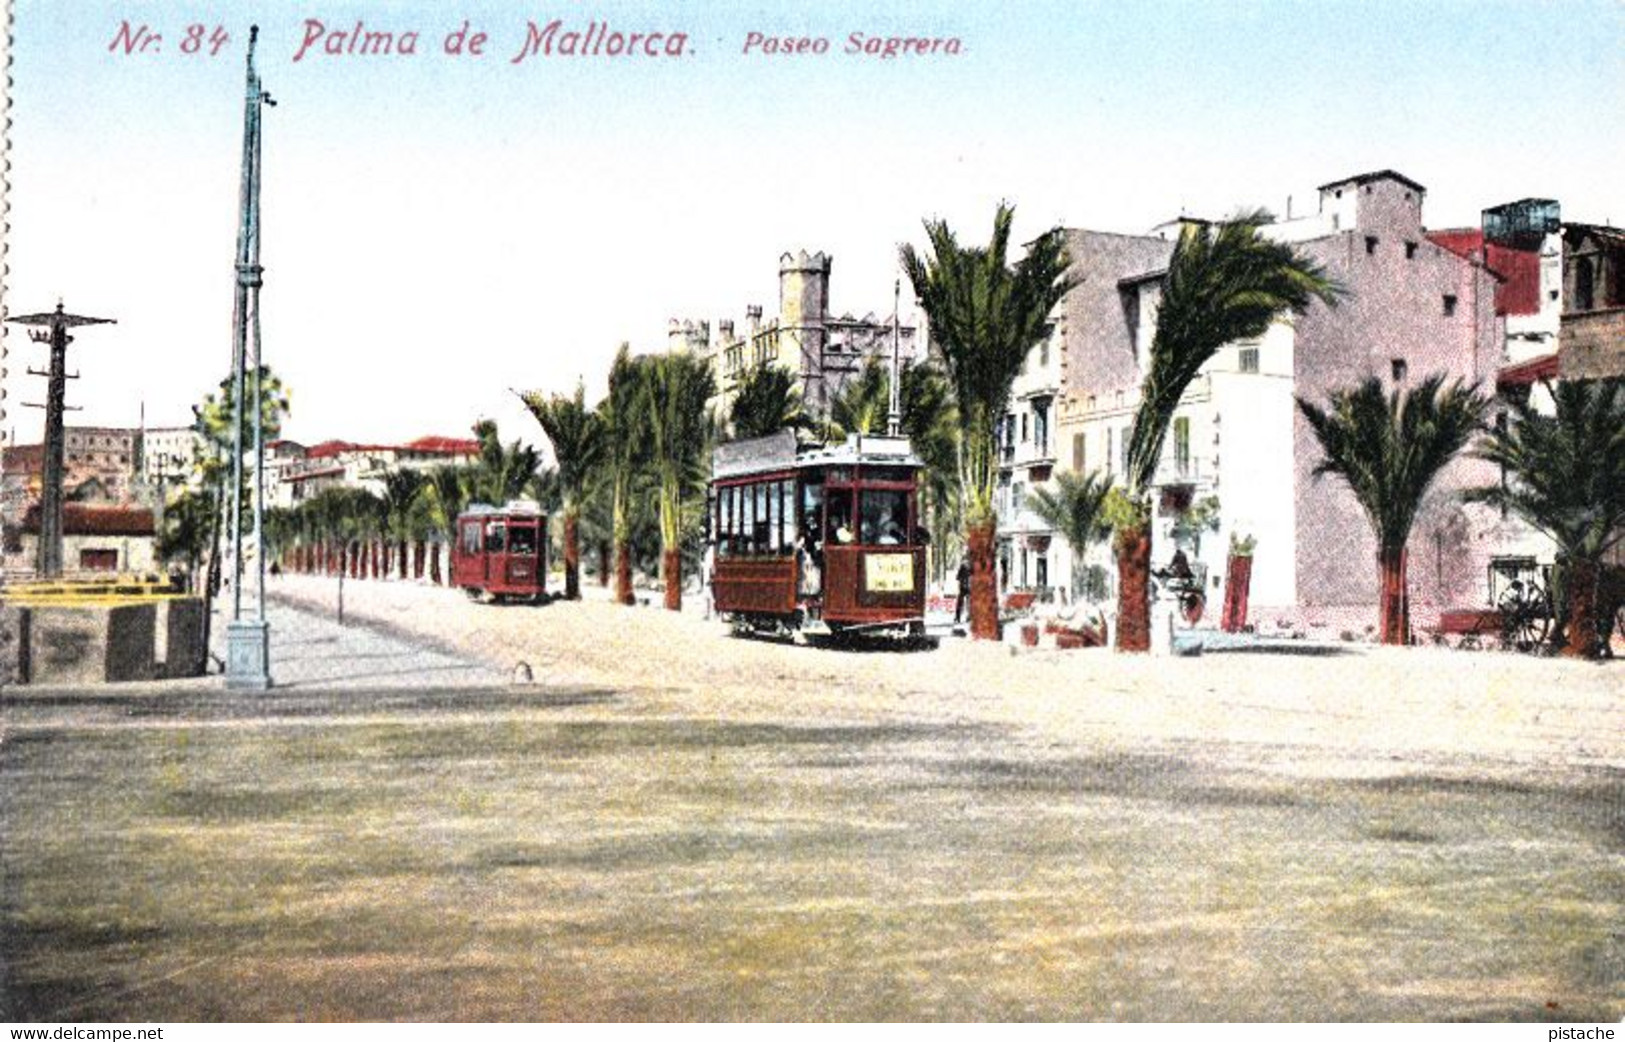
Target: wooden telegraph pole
52, 328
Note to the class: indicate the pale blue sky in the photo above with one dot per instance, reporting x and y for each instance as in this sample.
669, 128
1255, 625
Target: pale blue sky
439, 229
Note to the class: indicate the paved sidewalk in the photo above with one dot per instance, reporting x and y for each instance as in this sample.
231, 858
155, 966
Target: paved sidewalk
310, 650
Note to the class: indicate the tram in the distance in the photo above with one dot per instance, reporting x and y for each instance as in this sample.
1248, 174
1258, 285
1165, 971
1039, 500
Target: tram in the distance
501, 552
825, 539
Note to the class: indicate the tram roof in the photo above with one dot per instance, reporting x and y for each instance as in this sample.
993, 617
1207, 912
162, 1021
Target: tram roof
780, 452
516, 507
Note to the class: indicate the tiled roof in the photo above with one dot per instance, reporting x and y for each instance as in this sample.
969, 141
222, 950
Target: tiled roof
83, 519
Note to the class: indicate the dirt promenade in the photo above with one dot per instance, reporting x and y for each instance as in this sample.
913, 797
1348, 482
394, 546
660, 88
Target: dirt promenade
1349, 710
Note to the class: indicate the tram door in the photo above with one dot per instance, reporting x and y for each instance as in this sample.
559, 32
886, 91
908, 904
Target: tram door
810, 541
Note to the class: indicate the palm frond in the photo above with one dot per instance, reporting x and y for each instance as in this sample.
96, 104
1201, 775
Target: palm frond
1389, 448
1225, 282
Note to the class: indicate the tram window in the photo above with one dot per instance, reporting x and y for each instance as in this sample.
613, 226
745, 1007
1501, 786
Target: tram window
761, 521
787, 517
471, 538
838, 516
496, 537
522, 541
884, 516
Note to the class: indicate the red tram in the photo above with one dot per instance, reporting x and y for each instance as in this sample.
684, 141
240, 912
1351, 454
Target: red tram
823, 539
501, 552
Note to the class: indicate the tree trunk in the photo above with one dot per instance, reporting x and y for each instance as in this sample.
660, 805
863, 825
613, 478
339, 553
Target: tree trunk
417, 559
1395, 620
1237, 585
671, 569
572, 557
623, 572
1582, 601
1133, 546
603, 563
984, 585
434, 564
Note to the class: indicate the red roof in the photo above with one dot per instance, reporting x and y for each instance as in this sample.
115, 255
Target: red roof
1518, 293
1543, 367
83, 519
435, 444
429, 444
24, 459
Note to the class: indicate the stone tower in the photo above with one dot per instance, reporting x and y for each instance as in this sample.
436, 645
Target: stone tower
803, 307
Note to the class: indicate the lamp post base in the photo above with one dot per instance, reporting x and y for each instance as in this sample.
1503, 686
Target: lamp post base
248, 655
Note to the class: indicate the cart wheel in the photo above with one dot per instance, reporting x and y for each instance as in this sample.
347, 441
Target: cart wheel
1192, 604
1526, 618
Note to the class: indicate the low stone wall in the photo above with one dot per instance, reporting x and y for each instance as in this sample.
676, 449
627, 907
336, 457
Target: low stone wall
185, 652
97, 644
15, 624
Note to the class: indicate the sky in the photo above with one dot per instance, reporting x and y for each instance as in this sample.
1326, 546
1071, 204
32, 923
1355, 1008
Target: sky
441, 229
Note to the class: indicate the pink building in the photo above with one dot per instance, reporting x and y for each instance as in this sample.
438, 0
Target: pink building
1412, 308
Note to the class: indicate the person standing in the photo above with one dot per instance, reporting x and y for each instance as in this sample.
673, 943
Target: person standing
963, 577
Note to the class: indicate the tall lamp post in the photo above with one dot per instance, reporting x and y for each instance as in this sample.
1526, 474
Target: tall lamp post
248, 641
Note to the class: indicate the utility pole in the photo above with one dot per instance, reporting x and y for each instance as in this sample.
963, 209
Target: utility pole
52, 328
894, 409
248, 641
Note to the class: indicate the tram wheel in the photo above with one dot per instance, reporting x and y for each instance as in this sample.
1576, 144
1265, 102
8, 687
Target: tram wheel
475, 594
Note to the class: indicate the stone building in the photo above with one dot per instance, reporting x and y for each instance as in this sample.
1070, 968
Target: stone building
95, 538
296, 473
1412, 308
824, 349
1592, 334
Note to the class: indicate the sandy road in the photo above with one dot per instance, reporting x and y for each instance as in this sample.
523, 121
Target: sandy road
1354, 711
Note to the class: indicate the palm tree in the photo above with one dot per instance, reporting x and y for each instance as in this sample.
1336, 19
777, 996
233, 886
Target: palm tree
500, 474
1075, 507
624, 428
448, 496
1389, 448
681, 432
188, 529
930, 421
575, 432
401, 491
1566, 477
768, 401
1225, 283
985, 315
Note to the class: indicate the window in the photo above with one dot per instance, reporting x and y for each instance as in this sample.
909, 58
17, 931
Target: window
1410, 251
1024, 428
496, 537
1449, 304
1110, 458
838, 516
1370, 244
522, 541
1585, 285
1398, 367
471, 538
1043, 353
1182, 444
1122, 444
884, 517
1249, 359
1041, 566
1078, 456
1041, 427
